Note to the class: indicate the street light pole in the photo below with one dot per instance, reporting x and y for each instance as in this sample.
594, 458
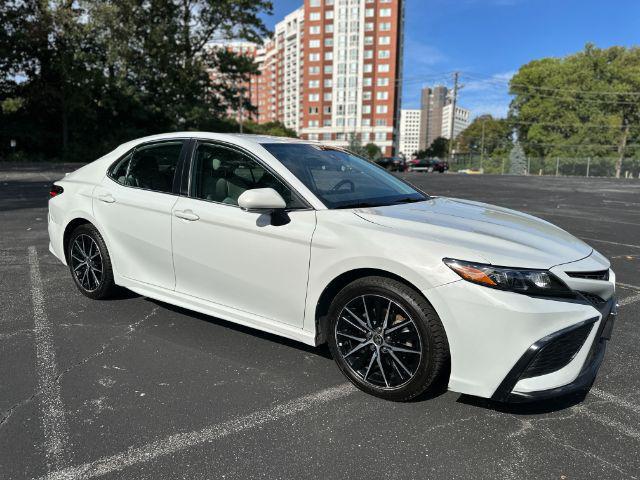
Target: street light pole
482, 149
452, 122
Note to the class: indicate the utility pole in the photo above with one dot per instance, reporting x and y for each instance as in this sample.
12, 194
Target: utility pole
482, 149
452, 120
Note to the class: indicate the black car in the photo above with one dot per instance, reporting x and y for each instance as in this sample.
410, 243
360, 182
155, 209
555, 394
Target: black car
393, 164
428, 165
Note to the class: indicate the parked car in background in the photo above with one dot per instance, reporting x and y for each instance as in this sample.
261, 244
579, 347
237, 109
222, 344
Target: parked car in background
427, 165
393, 164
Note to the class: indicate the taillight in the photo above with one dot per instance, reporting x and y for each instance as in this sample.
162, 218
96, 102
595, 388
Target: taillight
55, 190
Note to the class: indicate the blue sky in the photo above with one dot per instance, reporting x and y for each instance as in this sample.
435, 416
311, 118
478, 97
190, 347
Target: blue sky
488, 40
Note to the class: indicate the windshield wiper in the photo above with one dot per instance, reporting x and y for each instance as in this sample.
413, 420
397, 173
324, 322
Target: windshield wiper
359, 205
409, 200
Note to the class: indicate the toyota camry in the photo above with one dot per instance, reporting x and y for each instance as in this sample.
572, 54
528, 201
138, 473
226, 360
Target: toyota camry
313, 243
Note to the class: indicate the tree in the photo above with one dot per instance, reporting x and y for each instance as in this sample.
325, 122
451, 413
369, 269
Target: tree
270, 128
517, 160
496, 139
355, 145
586, 104
90, 74
439, 148
373, 151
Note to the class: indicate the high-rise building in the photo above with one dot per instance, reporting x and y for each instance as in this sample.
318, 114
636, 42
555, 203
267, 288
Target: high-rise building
352, 71
431, 104
409, 132
460, 121
332, 70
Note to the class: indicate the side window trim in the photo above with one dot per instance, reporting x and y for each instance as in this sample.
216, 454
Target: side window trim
182, 160
230, 146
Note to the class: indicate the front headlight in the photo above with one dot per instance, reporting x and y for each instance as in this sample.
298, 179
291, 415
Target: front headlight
529, 282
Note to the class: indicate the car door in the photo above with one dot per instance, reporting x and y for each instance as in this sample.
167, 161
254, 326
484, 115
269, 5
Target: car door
133, 205
236, 258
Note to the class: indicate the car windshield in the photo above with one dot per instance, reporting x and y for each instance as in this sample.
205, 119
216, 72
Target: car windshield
341, 179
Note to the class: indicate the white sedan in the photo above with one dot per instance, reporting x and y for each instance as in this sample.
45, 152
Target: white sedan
316, 244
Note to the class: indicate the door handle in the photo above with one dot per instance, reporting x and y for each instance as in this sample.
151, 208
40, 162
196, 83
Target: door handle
186, 215
106, 198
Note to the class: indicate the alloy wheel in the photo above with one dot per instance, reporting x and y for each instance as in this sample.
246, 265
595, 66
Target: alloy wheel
378, 341
86, 262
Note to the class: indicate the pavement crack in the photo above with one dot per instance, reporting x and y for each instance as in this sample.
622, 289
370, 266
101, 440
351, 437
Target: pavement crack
131, 328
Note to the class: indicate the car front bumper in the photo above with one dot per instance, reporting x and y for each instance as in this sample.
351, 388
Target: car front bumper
513, 347
507, 391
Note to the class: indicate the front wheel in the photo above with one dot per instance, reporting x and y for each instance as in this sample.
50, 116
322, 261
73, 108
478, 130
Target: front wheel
386, 338
90, 263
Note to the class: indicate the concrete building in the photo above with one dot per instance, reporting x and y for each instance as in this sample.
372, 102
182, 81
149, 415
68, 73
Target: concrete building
431, 104
332, 69
409, 132
352, 71
460, 122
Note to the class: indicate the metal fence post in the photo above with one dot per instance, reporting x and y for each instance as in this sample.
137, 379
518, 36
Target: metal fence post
529, 166
588, 165
557, 165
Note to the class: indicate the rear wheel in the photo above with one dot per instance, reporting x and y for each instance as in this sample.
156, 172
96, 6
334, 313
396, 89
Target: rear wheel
89, 263
386, 338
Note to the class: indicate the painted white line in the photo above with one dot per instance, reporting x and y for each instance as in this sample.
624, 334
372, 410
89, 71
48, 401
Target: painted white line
608, 422
610, 243
621, 402
181, 441
626, 285
629, 300
53, 415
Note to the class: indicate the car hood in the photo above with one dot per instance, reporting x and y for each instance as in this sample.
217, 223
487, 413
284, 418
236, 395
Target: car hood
497, 235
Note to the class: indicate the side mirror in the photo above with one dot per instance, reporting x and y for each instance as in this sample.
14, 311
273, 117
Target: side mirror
261, 199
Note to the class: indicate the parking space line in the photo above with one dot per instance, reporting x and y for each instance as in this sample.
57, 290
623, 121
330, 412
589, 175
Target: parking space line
629, 300
610, 243
608, 422
181, 441
53, 414
621, 402
626, 285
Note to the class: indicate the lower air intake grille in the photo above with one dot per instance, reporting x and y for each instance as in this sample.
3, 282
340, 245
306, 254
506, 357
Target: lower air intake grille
595, 300
558, 353
599, 275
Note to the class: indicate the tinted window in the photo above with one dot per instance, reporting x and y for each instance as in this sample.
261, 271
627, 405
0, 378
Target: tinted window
340, 179
222, 174
150, 166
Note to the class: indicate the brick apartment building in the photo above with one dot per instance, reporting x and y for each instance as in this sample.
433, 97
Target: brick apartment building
332, 70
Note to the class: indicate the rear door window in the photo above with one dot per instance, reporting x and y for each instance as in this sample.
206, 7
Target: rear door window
151, 166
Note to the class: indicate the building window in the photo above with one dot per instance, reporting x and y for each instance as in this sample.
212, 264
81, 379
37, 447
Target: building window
314, 16
369, 12
314, 57
366, 95
381, 109
382, 81
385, 26
314, 3
384, 53
368, 54
369, 26
382, 95
314, 70
329, 28
381, 136
328, 42
314, 83
316, 44
385, 40
383, 67
366, 109
328, 14
313, 110
367, 68
328, 55
314, 97
314, 30
385, 12
381, 122
328, 96
366, 82
368, 40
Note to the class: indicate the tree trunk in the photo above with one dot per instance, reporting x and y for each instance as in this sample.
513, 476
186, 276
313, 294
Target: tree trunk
621, 150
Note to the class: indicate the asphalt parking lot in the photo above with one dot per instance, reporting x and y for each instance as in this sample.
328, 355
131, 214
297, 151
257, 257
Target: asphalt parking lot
132, 388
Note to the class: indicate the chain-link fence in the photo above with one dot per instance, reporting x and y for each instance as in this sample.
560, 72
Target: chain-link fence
559, 166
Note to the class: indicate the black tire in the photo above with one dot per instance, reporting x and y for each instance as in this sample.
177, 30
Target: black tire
422, 374
94, 285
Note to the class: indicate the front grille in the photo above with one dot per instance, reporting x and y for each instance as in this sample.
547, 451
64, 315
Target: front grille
557, 353
599, 275
593, 299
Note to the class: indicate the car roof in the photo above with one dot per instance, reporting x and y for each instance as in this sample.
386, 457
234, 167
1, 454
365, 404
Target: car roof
236, 138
